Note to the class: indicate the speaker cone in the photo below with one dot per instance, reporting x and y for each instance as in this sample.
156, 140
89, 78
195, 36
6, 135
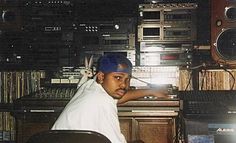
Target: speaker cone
226, 44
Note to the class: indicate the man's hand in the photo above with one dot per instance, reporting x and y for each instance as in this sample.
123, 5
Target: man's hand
139, 93
160, 93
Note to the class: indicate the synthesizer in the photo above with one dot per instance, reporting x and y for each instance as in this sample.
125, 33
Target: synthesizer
208, 104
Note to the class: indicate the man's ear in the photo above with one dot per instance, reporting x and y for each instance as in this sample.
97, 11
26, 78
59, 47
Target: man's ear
100, 77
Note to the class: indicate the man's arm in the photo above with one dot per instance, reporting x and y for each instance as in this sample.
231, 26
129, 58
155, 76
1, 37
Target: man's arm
133, 94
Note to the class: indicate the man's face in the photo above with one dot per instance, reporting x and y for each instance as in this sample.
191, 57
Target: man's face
115, 84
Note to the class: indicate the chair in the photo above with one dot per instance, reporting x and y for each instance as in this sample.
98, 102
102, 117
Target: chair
68, 136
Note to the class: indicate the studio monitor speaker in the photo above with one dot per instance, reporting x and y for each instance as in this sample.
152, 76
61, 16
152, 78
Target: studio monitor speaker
223, 31
10, 17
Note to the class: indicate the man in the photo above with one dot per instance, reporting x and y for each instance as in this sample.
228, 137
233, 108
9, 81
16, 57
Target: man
94, 106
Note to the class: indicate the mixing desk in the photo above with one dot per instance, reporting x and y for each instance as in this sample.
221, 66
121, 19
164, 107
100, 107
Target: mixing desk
208, 104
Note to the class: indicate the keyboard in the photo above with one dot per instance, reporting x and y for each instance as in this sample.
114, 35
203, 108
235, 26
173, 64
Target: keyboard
208, 104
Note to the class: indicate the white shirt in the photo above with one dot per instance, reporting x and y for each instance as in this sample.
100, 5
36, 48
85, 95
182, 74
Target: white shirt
91, 108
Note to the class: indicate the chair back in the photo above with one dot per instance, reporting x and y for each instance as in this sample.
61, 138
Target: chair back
68, 136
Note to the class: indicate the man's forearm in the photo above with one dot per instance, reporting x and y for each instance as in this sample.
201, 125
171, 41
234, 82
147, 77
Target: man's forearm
133, 94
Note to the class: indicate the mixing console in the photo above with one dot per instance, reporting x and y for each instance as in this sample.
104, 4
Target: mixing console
208, 104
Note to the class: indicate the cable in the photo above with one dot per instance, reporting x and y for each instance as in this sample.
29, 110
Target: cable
198, 66
180, 128
202, 81
189, 81
232, 87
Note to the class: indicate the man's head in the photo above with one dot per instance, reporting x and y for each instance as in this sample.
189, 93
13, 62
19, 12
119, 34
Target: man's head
114, 63
114, 73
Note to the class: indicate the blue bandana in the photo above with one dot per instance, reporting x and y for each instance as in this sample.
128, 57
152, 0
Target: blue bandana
114, 63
